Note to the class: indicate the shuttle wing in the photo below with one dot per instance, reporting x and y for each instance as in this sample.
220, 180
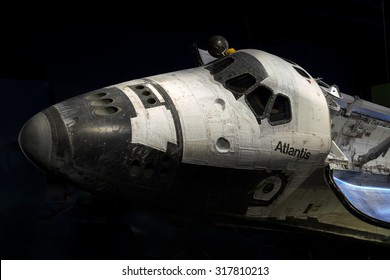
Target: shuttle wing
315, 207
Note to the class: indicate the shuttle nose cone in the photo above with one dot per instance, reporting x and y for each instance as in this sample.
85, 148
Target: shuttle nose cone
35, 140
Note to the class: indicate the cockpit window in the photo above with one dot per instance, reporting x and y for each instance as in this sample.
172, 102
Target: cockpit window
241, 82
239, 72
302, 72
258, 99
221, 64
281, 110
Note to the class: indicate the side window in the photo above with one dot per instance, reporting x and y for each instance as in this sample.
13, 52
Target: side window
281, 110
258, 99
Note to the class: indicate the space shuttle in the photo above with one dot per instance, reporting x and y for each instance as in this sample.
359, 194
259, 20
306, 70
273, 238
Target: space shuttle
244, 134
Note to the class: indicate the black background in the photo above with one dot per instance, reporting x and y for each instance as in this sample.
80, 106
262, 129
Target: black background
48, 54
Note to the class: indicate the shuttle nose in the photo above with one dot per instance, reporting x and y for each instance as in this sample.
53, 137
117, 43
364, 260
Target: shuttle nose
88, 141
35, 140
